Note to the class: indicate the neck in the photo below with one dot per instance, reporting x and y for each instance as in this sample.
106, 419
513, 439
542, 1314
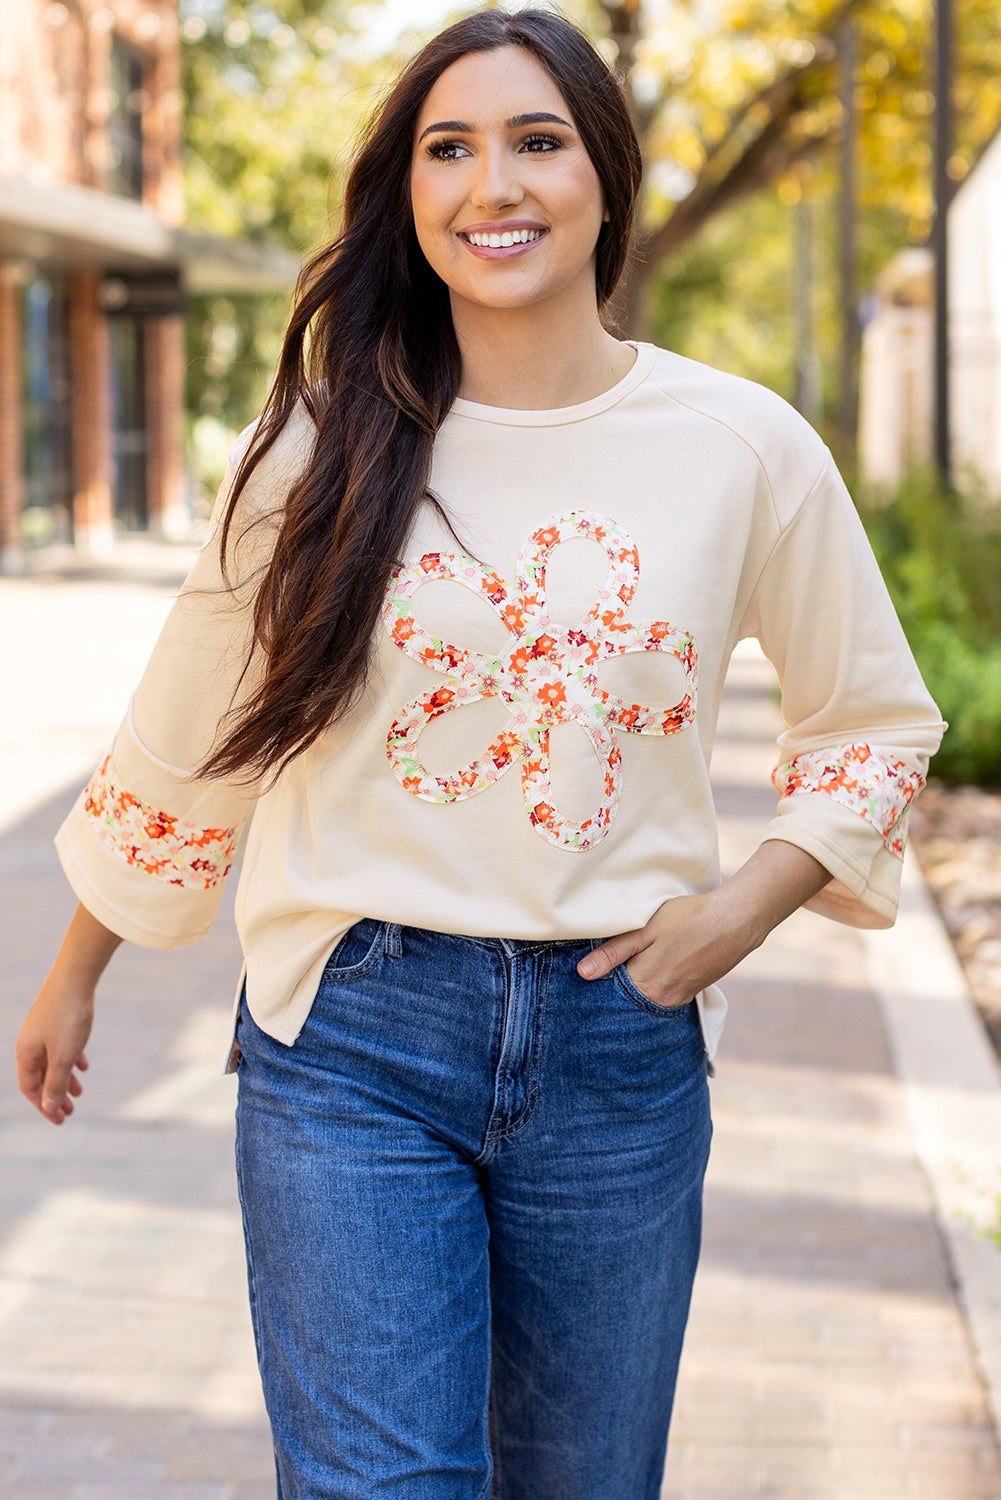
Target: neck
535, 358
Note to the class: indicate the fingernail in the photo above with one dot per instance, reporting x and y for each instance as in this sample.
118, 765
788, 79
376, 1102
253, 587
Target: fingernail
51, 1106
587, 968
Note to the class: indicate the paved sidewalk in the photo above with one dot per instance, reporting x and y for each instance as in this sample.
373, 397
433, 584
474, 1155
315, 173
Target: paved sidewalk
827, 1356
126, 1357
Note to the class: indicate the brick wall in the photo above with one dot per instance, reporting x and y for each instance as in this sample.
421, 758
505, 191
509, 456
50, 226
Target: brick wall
55, 97
55, 104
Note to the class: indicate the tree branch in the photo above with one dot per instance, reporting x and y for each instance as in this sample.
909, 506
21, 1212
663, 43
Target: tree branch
773, 153
744, 157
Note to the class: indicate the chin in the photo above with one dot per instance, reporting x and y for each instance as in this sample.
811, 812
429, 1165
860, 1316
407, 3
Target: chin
505, 300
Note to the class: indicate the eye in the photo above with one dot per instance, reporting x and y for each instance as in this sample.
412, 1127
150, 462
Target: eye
446, 150
538, 145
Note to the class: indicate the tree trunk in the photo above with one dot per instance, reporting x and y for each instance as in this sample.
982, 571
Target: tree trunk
629, 311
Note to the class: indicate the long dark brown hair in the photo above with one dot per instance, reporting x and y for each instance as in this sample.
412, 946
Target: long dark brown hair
371, 354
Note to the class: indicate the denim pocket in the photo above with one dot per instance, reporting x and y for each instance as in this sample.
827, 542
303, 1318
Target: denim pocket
357, 951
636, 996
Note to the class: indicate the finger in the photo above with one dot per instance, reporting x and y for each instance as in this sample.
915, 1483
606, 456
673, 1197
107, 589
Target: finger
30, 1074
601, 961
55, 1091
82, 1062
74, 1087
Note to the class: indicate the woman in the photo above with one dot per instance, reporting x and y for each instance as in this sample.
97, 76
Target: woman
459, 639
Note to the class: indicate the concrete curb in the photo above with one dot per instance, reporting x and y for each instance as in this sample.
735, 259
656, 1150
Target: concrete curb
952, 1085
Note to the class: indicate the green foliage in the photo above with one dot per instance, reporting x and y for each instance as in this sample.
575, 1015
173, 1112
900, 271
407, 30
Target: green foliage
232, 345
731, 310
941, 558
274, 94
743, 99
728, 298
268, 107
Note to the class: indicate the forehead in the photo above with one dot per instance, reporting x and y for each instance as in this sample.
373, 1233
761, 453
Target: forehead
487, 88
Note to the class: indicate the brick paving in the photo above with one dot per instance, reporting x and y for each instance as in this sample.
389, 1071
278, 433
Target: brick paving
126, 1357
827, 1358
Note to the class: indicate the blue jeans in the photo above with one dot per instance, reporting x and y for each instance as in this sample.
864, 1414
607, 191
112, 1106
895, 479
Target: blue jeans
472, 1199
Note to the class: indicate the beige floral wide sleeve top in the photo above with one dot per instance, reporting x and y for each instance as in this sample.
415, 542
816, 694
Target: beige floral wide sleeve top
530, 757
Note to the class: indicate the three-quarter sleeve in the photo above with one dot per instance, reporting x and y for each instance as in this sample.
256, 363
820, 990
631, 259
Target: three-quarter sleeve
148, 844
860, 724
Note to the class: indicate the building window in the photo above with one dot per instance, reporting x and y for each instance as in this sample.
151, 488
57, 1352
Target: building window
48, 476
128, 392
125, 121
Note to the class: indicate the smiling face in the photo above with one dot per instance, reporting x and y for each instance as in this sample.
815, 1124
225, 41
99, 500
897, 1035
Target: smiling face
507, 205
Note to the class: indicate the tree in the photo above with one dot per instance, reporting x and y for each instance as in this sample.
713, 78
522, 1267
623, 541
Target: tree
273, 96
271, 103
731, 99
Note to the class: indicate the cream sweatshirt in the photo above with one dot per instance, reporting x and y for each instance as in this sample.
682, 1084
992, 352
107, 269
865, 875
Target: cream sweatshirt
530, 758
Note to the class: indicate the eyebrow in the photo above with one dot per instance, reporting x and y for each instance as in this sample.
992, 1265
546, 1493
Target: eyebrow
462, 127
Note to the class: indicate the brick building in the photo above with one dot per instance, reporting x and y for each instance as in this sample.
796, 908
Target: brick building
93, 270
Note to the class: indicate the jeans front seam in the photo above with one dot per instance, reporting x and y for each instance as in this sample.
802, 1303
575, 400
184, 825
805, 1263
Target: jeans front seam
524, 1116
509, 1011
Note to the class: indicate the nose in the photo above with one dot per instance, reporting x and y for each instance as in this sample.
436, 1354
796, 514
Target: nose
497, 184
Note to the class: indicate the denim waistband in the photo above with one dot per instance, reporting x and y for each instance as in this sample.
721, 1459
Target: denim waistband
395, 937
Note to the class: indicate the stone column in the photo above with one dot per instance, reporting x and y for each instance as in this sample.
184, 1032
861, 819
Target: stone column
11, 419
166, 479
90, 364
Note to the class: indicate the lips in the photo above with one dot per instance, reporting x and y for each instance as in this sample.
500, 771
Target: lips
495, 241
501, 240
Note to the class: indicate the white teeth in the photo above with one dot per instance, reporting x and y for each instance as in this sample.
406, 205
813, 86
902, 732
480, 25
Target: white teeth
509, 237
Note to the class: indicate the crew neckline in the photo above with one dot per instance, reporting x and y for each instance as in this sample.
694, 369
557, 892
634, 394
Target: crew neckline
556, 416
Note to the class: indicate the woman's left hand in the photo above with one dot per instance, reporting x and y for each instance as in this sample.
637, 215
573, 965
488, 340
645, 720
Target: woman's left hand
692, 941
685, 946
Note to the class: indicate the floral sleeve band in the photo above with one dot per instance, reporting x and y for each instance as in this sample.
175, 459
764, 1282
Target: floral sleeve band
179, 853
879, 790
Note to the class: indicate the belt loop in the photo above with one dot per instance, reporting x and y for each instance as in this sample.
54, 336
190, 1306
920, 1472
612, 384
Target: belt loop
394, 940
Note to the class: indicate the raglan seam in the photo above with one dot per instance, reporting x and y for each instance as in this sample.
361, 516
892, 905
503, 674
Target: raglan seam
783, 530
712, 417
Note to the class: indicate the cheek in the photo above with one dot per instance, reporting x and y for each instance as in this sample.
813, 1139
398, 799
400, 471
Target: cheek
432, 194
433, 208
421, 209
418, 195
579, 193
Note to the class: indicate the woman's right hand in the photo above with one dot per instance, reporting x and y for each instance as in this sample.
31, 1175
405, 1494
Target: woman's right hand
50, 1048
50, 1045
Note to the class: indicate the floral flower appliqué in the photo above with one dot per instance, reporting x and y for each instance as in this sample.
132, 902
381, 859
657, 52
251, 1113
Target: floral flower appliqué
179, 853
879, 790
547, 676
